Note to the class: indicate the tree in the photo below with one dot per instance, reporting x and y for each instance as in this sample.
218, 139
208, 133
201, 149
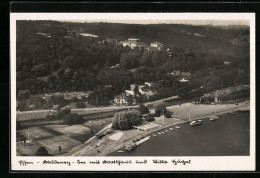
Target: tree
146, 59
139, 98
160, 108
149, 118
130, 100
136, 89
42, 152
125, 120
58, 113
143, 109
130, 60
24, 94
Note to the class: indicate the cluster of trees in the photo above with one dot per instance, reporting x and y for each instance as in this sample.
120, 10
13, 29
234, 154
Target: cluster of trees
35, 102
57, 63
66, 115
101, 96
126, 120
80, 105
143, 109
204, 100
160, 109
231, 97
240, 95
58, 113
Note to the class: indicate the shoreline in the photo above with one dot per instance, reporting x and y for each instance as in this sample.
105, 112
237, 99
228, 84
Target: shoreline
112, 147
170, 125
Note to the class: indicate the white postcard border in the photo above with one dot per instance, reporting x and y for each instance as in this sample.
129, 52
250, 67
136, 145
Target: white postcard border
204, 163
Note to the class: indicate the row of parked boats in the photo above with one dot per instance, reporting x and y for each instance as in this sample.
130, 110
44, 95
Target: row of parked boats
198, 122
133, 145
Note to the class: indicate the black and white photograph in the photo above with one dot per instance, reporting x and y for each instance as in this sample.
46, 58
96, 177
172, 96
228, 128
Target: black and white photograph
128, 87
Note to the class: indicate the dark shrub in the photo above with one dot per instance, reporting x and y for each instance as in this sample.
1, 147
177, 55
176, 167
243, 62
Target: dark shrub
81, 105
143, 109
42, 152
73, 118
149, 118
167, 114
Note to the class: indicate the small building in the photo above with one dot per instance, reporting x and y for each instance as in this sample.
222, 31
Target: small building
112, 41
129, 92
131, 42
109, 41
226, 63
121, 99
155, 46
115, 66
185, 74
149, 84
134, 43
176, 73
183, 80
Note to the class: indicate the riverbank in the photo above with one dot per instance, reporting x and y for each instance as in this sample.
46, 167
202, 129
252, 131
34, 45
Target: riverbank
227, 136
180, 116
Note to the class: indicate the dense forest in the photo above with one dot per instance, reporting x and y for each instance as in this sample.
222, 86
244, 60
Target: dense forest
50, 57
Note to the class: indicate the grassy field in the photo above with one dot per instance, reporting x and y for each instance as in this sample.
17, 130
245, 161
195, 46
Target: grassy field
182, 111
73, 130
30, 116
36, 133
52, 144
54, 135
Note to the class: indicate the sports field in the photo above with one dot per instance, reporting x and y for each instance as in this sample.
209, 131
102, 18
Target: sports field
53, 136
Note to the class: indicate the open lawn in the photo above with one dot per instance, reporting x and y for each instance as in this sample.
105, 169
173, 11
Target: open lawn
166, 121
96, 123
23, 116
27, 149
36, 133
116, 136
195, 110
73, 130
52, 144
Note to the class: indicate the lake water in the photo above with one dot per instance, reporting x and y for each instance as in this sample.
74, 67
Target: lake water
227, 136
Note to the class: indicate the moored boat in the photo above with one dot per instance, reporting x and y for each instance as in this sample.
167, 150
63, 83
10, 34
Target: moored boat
142, 140
212, 118
130, 146
198, 122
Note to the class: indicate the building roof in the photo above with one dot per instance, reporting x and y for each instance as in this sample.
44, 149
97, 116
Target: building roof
133, 39
185, 74
127, 41
141, 43
156, 42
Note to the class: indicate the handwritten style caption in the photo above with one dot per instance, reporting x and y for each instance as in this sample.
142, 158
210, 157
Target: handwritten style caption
117, 162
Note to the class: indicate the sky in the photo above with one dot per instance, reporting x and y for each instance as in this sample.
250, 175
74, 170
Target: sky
192, 22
